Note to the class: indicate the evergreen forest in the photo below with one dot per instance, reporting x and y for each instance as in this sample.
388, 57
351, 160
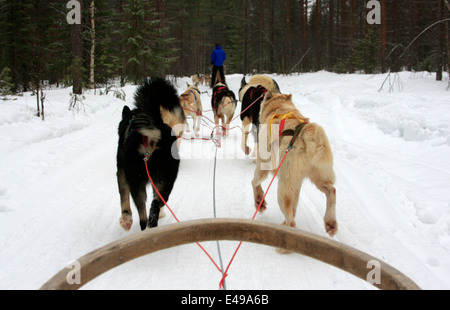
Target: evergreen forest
121, 41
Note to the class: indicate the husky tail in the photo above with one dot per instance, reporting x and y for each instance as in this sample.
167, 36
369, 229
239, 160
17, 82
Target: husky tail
154, 94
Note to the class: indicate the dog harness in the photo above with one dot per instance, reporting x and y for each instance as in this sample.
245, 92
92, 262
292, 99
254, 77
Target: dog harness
283, 118
191, 105
283, 133
195, 97
259, 87
289, 132
217, 92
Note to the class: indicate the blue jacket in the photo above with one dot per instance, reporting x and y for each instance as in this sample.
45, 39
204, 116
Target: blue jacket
218, 56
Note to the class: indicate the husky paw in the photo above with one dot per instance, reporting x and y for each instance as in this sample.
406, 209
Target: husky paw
331, 227
246, 150
263, 205
126, 221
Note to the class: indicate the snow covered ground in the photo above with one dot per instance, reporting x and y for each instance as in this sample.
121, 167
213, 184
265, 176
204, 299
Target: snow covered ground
59, 197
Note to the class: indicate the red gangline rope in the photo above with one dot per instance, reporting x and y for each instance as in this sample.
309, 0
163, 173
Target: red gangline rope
225, 274
173, 214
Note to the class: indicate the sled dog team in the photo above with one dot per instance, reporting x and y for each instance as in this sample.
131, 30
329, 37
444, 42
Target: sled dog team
146, 133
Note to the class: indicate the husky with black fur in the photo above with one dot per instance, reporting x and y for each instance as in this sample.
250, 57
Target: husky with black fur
223, 103
251, 95
143, 134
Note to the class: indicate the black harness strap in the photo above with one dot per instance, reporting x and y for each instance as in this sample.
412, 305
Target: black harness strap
295, 133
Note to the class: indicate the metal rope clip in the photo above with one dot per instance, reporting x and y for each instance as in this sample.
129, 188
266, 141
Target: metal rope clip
217, 142
147, 156
216, 139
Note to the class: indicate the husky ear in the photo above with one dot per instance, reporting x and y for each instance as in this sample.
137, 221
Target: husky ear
243, 82
268, 96
126, 111
188, 84
289, 97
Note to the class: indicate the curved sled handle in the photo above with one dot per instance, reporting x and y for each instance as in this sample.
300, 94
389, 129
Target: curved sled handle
292, 239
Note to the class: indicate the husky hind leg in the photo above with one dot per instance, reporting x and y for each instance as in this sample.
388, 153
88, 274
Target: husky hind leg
322, 173
323, 178
246, 125
139, 194
156, 211
288, 196
258, 193
197, 124
126, 220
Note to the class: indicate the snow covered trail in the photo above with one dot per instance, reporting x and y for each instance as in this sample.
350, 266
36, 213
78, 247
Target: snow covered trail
59, 198
58, 180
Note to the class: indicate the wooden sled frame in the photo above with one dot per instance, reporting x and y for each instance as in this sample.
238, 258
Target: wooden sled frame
292, 239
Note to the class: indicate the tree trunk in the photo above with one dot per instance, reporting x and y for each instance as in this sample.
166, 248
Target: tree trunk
122, 48
245, 37
317, 26
342, 30
352, 33
440, 41
77, 88
38, 110
92, 55
272, 36
303, 47
42, 104
181, 40
448, 41
412, 33
330, 34
305, 25
288, 38
383, 36
261, 36
197, 52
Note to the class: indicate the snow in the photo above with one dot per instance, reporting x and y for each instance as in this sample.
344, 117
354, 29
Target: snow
59, 197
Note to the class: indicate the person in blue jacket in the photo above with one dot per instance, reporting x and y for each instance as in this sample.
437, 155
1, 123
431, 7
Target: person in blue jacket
218, 57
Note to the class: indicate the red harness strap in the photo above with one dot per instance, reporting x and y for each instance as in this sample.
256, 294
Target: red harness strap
147, 154
263, 90
283, 121
218, 91
146, 159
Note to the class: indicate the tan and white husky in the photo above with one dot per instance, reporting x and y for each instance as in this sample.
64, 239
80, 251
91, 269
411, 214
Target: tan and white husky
191, 103
310, 157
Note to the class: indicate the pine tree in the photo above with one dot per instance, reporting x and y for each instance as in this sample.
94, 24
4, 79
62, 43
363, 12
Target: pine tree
147, 52
6, 82
14, 49
107, 52
139, 38
365, 52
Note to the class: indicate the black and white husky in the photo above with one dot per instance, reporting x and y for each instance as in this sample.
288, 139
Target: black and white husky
251, 95
223, 103
144, 135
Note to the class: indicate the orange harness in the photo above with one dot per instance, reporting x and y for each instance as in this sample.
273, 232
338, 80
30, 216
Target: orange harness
283, 118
